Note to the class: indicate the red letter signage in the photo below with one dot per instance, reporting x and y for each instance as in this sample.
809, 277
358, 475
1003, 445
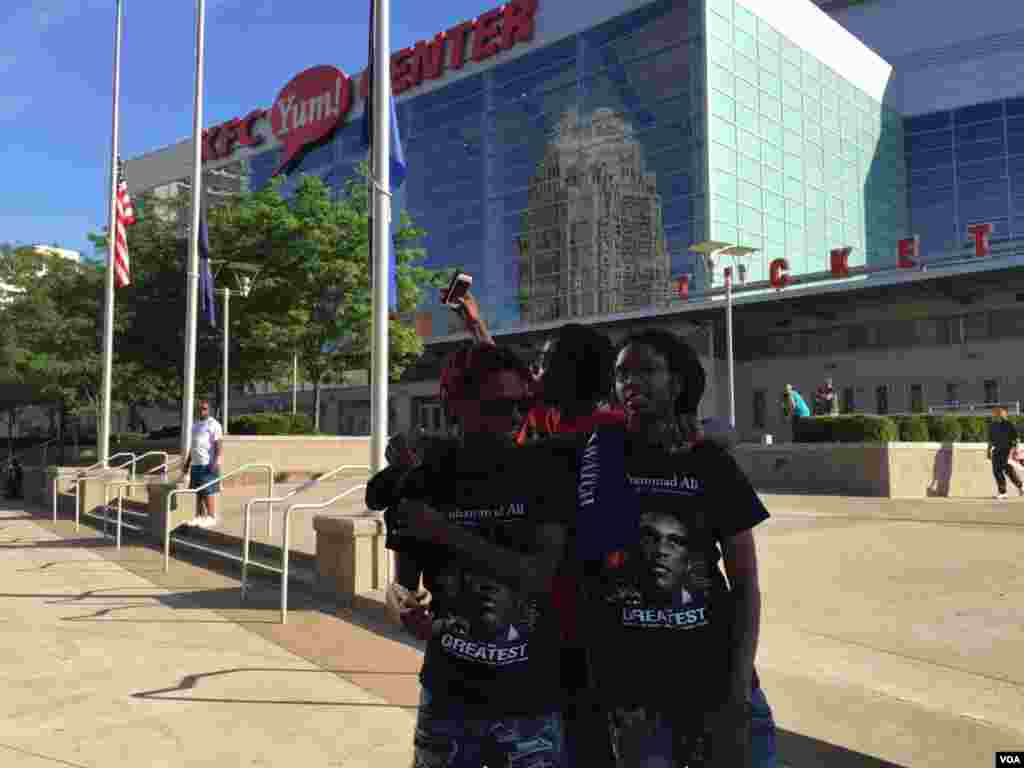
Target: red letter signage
778, 273
981, 234
518, 22
404, 72
907, 251
309, 109
684, 287
457, 35
840, 261
487, 40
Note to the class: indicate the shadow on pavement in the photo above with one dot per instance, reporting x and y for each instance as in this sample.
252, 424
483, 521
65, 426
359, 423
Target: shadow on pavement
191, 682
798, 751
57, 543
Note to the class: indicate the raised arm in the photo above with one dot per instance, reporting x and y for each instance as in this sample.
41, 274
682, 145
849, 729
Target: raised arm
529, 573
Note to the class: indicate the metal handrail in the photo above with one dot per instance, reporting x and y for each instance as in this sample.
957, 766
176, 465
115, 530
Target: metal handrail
121, 486
87, 476
284, 542
81, 475
270, 502
165, 466
151, 453
179, 491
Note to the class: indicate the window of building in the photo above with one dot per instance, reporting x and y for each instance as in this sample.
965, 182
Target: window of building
934, 330
849, 400
976, 326
760, 408
917, 398
1006, 322
952, 393
991, 391
882, 399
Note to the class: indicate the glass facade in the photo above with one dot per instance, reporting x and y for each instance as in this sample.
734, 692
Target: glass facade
966, 167
572, 180
800, 161
563, 180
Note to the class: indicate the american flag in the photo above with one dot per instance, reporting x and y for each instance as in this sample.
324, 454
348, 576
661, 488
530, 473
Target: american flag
125, 216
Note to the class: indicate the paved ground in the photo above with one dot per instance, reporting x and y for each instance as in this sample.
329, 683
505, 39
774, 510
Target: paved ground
108, 663
892, 636
899, 639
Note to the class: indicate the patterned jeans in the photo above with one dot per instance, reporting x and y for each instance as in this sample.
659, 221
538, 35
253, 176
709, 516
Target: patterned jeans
449, 737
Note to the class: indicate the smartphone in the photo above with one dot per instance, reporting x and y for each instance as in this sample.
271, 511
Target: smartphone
458, 287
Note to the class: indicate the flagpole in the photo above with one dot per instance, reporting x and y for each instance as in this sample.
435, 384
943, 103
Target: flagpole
103, 436
192, 272
381, 185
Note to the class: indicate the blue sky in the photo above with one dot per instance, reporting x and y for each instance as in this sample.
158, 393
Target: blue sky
56, 64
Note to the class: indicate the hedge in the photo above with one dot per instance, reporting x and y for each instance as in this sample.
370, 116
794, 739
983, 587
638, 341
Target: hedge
858, 428
863, 428
271, 423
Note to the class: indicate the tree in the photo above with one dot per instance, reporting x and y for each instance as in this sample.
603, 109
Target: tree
149, 346
313, 297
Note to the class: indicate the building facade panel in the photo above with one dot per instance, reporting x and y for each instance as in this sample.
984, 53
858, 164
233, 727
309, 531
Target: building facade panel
801, 159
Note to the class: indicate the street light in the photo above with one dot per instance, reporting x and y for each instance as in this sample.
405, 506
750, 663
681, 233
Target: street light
245, 276
712, 250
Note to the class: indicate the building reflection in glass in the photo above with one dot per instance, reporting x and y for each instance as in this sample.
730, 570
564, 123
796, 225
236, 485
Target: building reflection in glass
593, 239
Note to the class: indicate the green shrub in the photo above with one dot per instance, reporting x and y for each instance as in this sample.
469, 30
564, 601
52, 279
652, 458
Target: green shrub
944, 429
973, 429
858, 428
271, 423
913, 429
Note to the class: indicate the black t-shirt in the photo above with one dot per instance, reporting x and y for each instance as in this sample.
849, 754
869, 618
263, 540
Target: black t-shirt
659, 615
493, 648
1002, 436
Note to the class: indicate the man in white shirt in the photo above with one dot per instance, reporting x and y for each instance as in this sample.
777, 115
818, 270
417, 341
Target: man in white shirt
202, 465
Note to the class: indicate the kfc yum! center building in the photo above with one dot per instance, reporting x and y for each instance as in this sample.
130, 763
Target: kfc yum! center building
577, 158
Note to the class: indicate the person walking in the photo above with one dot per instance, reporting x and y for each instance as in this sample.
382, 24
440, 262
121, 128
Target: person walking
1002, 439
202, 465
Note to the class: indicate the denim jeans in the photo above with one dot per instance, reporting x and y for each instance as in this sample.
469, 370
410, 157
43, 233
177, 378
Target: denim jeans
584, 735
762, 732
449, 737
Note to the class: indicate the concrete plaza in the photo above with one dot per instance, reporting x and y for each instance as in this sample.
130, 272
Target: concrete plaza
891, 637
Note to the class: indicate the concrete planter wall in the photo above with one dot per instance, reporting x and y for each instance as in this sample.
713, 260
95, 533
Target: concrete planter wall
889, 470
298, 455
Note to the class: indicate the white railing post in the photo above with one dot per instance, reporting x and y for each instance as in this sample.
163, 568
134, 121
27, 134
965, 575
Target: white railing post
285, 541
120, 514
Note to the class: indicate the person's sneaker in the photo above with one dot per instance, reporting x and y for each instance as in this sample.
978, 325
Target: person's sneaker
1000, 496
212, 521
203, 521
193, 523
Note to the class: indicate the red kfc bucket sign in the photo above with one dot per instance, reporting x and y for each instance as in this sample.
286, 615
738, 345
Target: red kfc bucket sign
308, 110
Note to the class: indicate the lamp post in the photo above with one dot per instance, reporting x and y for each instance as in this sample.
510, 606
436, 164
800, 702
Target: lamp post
711, 251
245, 275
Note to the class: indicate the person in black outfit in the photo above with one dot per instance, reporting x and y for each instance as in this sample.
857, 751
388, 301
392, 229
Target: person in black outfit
1002, 439
488, 538
671, 640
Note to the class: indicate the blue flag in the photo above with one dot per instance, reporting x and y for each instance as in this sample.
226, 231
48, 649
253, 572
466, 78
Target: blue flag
207, 298
397, 165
